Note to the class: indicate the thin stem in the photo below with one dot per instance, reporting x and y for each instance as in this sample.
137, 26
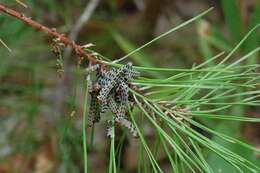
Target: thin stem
84, 131
112, 160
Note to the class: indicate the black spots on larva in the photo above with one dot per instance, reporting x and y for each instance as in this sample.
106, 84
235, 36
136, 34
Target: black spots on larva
94, 109
93, 68
110, 92
122, 92
57, 49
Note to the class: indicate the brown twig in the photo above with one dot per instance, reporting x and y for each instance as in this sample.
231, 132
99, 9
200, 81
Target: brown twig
68, 42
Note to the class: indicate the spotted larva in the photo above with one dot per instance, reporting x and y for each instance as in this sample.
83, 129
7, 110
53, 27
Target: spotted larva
123, 91
92, 68
112, 105
94, 109
111, 80
120, 118
110, 92
126, 123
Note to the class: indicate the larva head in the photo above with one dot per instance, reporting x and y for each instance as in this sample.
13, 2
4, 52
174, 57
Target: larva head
126, 68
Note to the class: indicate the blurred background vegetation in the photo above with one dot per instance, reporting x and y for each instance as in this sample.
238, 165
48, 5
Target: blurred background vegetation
40, 111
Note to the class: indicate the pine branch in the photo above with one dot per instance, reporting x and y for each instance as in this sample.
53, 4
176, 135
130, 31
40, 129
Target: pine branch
52, 32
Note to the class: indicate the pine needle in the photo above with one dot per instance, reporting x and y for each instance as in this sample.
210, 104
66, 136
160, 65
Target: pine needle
21, 3
5, 45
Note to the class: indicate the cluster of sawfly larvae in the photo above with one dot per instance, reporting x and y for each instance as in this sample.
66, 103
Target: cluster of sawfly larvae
110, 92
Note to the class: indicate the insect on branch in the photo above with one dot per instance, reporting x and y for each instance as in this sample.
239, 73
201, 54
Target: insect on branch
111, 88
52, 32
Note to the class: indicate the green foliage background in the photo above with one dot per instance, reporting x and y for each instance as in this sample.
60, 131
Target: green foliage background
36, 104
